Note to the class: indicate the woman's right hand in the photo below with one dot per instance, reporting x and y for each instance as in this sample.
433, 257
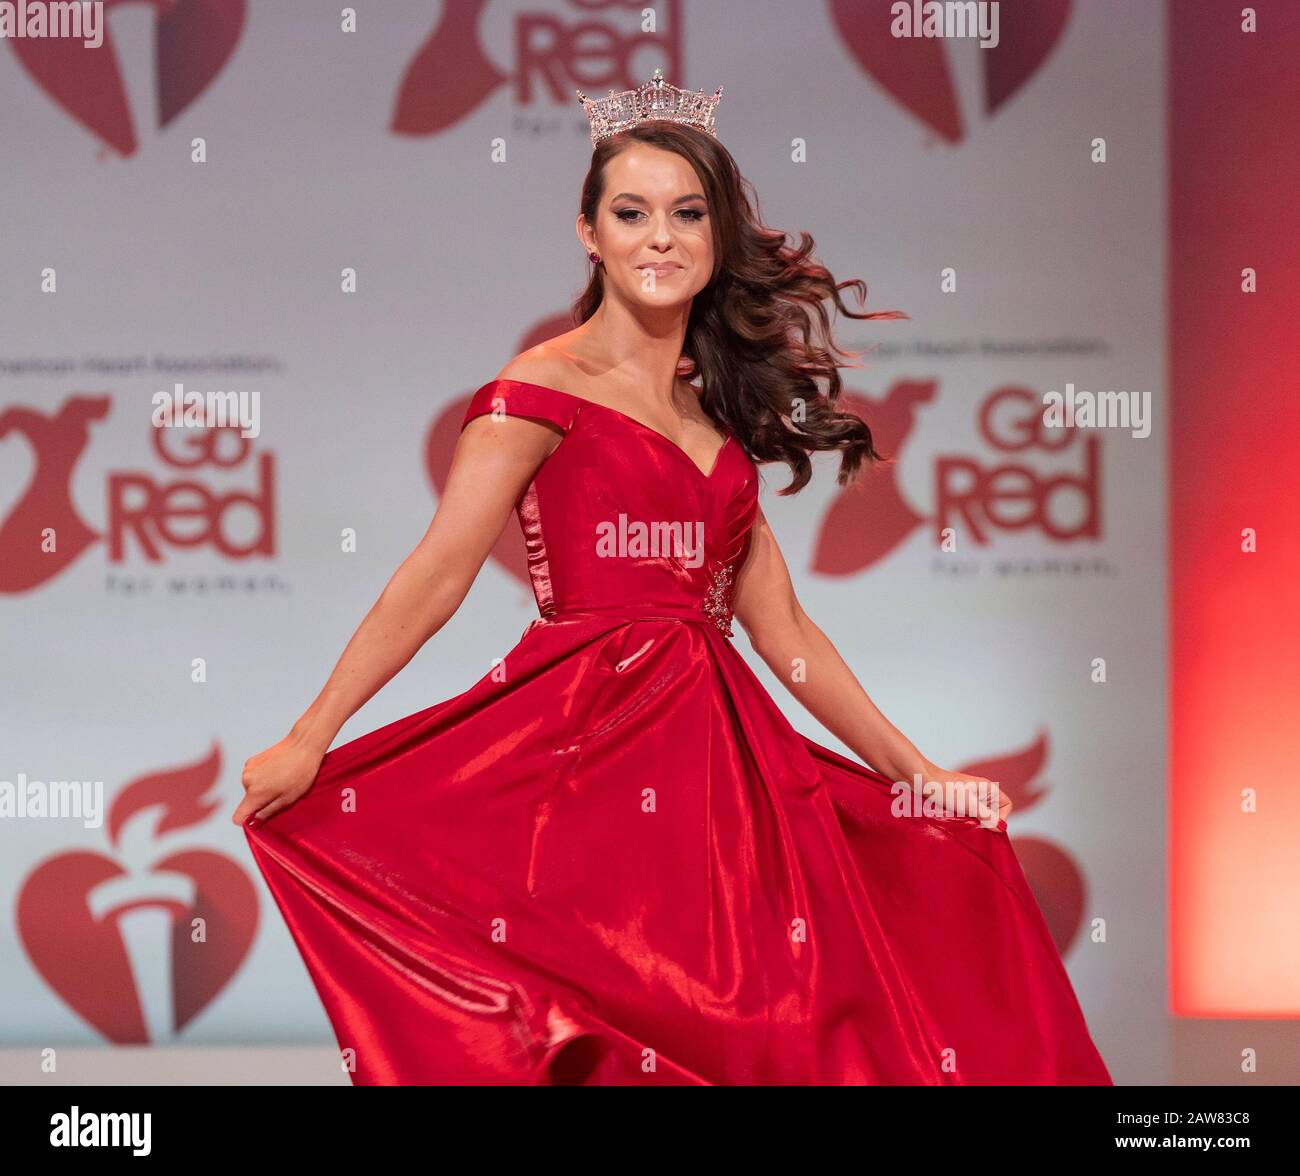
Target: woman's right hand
277, 777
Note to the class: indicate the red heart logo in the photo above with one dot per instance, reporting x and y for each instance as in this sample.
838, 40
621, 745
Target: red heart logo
914, 70
193, 40
448, 76
57, 441
1057, 886
871, 517
70, 908
1052, 874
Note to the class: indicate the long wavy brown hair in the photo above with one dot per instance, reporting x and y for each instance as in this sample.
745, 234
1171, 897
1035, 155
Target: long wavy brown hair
758, 336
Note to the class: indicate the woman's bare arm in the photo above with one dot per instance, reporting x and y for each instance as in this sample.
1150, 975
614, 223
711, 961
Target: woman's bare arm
493, 462
802, 656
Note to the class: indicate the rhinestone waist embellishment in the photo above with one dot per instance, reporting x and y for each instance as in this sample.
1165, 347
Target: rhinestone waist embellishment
717, 599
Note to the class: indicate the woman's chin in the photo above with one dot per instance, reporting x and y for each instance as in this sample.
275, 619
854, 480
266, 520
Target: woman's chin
661, 299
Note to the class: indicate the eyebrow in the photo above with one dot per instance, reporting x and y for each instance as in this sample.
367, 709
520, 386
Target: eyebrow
642, 199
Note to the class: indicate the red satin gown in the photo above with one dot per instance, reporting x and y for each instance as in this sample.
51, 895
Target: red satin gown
614, 861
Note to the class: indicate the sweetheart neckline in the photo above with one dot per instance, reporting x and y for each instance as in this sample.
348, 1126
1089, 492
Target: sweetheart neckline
717, 457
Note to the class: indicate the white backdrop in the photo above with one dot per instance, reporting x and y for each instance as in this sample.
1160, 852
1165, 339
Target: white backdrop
227, 274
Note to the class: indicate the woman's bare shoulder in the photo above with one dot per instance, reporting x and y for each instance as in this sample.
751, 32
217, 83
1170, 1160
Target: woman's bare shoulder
543, 365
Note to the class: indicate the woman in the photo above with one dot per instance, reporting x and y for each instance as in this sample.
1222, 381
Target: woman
613, 860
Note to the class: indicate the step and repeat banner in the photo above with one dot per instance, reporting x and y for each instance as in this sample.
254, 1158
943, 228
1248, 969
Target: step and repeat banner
353, 217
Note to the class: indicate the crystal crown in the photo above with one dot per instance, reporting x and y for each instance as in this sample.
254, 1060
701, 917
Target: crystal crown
656, 99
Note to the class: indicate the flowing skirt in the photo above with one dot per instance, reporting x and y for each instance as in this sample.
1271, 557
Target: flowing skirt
614, 861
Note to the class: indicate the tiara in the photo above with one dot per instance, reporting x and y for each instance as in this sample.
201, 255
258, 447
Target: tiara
655, 100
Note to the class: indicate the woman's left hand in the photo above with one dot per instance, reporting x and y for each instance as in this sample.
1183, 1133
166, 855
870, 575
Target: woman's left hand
971, 796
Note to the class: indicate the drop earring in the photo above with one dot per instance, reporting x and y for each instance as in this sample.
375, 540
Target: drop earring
594, 258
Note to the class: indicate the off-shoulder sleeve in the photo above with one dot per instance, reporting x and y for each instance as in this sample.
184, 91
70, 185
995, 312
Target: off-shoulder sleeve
516, 398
